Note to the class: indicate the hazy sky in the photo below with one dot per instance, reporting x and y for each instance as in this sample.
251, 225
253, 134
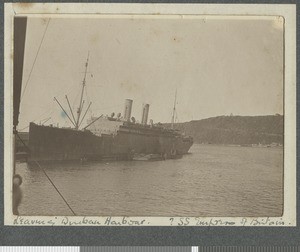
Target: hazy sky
218, 65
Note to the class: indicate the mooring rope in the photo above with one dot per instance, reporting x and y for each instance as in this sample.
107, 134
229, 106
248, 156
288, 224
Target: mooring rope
47, 177
55, 187
22, 141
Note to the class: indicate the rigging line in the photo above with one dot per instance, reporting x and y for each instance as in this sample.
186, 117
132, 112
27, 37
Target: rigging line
44, 113
88, 100
70, 109
46, 120
47, 176
75, 100
70, 90
64, 111
24, 128
40, 116
86, 94
35, 59
55, 188
84, 114
25, 145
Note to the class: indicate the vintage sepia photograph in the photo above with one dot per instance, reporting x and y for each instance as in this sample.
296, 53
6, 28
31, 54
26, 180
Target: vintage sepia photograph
148, 115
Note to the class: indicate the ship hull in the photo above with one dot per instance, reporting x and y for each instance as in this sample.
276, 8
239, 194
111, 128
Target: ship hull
60, 144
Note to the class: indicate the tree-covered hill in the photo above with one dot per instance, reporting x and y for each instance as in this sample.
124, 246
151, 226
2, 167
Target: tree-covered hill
235, 129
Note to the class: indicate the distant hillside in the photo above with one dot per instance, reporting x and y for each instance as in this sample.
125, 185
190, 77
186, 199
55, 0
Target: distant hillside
235, 129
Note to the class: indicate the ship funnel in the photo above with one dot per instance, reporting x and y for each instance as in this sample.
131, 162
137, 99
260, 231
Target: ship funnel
145, 114
127, 109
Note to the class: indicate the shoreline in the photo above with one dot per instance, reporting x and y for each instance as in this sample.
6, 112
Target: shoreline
243, 145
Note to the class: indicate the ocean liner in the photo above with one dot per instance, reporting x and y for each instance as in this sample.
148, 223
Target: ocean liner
105, 137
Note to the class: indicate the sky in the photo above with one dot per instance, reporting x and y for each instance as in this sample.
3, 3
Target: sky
218, 65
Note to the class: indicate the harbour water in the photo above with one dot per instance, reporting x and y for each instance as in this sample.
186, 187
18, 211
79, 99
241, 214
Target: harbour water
210, 181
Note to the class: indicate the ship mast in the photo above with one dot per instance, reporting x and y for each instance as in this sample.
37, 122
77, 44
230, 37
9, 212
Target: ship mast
81, 102
174, 111
78, 120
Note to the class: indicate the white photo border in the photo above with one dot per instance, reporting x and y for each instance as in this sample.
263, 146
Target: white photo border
287, 11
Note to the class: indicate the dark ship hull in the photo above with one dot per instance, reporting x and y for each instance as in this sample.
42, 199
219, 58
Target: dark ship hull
48, 143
